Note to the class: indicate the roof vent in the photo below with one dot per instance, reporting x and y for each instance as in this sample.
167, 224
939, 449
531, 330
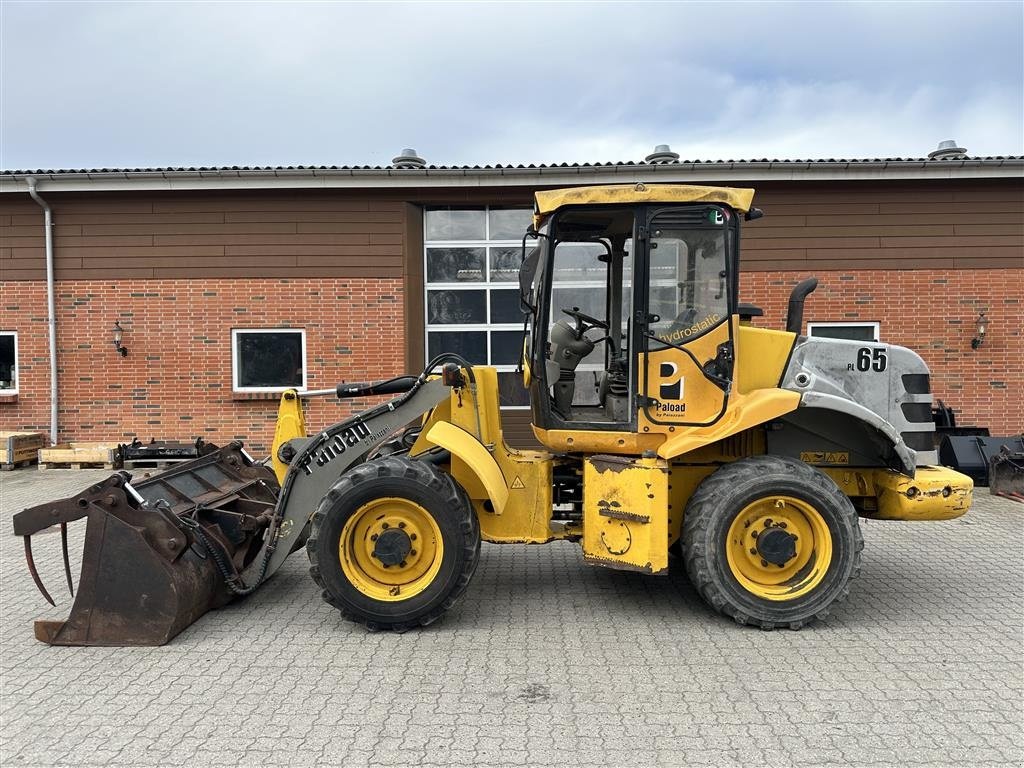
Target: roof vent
662, 154
408, 159
948, 150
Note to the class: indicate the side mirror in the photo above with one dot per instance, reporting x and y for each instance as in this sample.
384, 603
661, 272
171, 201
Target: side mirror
527, 271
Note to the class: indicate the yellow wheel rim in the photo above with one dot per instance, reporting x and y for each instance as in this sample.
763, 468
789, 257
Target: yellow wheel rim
779, 548
390, 549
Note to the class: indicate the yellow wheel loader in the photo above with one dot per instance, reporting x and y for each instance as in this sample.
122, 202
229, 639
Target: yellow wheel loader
670, 424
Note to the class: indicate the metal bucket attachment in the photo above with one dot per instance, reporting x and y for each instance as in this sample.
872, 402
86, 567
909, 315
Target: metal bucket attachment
158, 553
1006, 474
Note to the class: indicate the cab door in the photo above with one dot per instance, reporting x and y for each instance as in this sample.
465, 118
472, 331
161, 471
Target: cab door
686, 365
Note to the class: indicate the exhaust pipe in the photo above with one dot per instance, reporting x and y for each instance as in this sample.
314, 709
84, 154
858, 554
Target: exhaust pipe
795, 315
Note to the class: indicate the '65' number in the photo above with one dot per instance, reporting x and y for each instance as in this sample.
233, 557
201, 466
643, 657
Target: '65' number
871, 359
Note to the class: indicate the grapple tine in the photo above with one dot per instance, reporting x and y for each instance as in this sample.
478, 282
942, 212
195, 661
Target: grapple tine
145, 573
67, 560
34, 572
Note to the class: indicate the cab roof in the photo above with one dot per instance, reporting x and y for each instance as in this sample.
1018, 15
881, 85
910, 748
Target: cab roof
611, 194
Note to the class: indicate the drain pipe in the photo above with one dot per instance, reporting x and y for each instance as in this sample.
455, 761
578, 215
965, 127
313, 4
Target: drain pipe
51, 319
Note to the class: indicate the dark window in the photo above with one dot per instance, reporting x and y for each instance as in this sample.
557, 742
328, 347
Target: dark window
456, 307
455, 265
8, 362
471, 345
269, 359
506, 307
505, 263
506, 347
854, 331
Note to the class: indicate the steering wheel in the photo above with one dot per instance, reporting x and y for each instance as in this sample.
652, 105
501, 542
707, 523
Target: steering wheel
581, 318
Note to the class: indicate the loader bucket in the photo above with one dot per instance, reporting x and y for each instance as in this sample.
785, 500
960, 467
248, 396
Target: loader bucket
158, 553
1006, 474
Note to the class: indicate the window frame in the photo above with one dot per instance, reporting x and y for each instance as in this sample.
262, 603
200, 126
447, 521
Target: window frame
875, 325
235, 387
487, 285
4, 392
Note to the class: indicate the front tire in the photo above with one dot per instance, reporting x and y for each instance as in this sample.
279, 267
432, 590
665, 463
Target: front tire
771, 541
394, 544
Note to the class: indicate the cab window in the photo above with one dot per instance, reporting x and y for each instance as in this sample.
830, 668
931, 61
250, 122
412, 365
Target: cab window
587, 367
688, 287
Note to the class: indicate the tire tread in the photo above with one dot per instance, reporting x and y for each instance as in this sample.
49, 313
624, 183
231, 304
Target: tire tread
698, 518
429, 476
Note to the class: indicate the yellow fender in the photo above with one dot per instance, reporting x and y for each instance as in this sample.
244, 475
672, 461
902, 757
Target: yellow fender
475, 457
745, 411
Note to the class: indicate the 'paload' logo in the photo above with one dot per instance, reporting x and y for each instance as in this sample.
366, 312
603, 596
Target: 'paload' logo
671, 382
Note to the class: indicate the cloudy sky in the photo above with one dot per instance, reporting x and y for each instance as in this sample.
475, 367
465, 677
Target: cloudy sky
156, 84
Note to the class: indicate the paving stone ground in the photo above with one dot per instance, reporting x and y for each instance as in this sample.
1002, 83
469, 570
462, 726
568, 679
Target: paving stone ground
546, 662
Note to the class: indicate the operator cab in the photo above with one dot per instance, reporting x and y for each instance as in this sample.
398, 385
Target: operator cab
617, 299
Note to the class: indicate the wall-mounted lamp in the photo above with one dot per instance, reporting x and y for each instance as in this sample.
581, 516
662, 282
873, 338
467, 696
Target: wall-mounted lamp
979, 333
118, 332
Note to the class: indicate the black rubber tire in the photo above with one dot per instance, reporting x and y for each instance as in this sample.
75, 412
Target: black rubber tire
424, 484
723, 495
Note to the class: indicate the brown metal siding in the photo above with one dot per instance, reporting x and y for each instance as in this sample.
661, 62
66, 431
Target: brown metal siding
375, 233
414, 282
189, 235
907, 225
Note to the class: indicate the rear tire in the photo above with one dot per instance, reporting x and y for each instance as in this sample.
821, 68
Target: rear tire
770, 541
394, 544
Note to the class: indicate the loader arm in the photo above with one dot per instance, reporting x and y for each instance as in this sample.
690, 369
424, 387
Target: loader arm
319, 461
161, 552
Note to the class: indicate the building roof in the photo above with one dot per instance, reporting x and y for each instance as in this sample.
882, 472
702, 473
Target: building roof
336, 176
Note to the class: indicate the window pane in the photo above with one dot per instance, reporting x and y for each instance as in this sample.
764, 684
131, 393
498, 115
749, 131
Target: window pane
579, 262
687, 282
855, 332
511, 390
471, 345
455, 265
589, 301
456, 307
510, 223
7, 362
663, 301
455, 224
506, 347
505, 264
269, 359
505, 307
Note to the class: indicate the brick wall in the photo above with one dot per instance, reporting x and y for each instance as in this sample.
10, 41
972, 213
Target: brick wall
934, 312
175, 382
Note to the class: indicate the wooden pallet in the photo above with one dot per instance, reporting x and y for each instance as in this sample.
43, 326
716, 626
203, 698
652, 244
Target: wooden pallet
80, 456
78, 465
19, 449
17, 465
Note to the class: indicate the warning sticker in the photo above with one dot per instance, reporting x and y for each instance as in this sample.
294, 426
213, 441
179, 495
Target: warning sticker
825, 457
517, 483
